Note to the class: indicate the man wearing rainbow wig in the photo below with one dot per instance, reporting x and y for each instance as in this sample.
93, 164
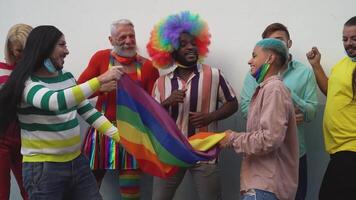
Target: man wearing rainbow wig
190, 93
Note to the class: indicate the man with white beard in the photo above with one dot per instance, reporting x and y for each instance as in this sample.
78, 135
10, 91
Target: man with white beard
103, 153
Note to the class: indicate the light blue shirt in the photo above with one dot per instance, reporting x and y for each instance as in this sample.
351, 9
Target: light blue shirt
301, 82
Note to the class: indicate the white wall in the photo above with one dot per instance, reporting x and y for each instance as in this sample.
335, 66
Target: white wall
235, 26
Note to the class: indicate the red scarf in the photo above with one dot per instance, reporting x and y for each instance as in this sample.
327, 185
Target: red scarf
124, 60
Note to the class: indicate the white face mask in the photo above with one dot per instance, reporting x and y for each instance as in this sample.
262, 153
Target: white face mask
49, 65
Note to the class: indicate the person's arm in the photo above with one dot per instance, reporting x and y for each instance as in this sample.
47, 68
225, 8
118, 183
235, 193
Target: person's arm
226, 110
199, 119
274, 123
97, 120
93, 70
314, 59
307, 103
226, 96
44, 98
177, 96
248, 89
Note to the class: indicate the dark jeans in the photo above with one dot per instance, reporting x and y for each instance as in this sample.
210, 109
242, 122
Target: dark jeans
60, 180
303, 178
339, 181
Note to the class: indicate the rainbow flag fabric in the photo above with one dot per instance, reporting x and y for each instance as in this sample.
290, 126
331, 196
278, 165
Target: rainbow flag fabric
152, 137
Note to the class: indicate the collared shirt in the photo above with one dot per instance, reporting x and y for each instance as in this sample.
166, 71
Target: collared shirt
301, 82
206, 87
269, 146
340, 110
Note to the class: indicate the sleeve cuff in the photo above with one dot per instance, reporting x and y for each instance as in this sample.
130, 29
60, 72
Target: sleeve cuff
94, 84
116, 137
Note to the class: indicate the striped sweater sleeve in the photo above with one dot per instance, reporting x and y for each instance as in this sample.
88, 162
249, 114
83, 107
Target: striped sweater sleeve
97, 120
44, 98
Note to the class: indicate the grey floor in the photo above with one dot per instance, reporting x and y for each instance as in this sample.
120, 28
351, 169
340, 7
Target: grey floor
229, 168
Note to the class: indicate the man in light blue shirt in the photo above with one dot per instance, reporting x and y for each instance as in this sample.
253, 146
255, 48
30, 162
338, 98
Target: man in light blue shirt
301, 82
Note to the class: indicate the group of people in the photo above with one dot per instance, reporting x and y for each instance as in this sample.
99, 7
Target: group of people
39, 102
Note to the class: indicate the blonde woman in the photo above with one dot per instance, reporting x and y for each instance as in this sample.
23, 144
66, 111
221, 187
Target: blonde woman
10, 143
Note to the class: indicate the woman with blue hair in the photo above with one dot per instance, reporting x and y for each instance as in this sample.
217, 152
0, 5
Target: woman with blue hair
269, 146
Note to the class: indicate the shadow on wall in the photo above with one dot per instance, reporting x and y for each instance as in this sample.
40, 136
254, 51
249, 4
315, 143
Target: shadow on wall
229, 167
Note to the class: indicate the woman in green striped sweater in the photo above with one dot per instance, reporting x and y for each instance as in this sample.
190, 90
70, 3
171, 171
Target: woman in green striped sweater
47, 100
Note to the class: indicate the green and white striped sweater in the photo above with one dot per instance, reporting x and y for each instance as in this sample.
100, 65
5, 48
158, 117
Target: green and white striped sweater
49, 128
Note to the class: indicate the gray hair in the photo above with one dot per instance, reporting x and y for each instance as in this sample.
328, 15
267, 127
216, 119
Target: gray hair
120, 22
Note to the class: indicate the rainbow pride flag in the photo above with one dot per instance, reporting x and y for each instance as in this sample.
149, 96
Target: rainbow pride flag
152, 137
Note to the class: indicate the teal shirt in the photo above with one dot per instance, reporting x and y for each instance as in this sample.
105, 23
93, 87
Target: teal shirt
301, 82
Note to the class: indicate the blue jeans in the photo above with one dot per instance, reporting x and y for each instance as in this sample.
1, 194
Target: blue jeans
259, 195
60, 180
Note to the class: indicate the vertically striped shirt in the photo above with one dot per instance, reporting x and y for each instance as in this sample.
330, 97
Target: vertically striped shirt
49, 128
205, 89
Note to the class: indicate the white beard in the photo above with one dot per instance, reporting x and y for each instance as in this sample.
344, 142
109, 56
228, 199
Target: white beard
123, 52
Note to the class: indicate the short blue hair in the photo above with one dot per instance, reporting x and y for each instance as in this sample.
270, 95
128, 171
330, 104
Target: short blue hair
275, 45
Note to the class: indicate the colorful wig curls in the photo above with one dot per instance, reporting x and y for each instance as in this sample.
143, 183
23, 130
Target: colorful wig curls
165, 37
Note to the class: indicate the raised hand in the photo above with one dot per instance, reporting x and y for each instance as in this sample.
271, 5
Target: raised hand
314, 59
314, 56
177, 96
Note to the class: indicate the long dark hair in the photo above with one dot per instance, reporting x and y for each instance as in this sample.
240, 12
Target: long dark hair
352, 22
39, 46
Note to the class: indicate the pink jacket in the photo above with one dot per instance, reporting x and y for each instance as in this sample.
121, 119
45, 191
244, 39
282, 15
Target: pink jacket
270, 144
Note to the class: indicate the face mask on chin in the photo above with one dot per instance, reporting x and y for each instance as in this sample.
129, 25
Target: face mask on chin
261, 72
49, 65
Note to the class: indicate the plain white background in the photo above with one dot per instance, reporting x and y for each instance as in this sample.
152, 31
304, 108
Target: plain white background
235, 26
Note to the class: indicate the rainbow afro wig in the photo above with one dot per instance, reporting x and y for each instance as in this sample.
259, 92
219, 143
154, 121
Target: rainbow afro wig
165, 37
